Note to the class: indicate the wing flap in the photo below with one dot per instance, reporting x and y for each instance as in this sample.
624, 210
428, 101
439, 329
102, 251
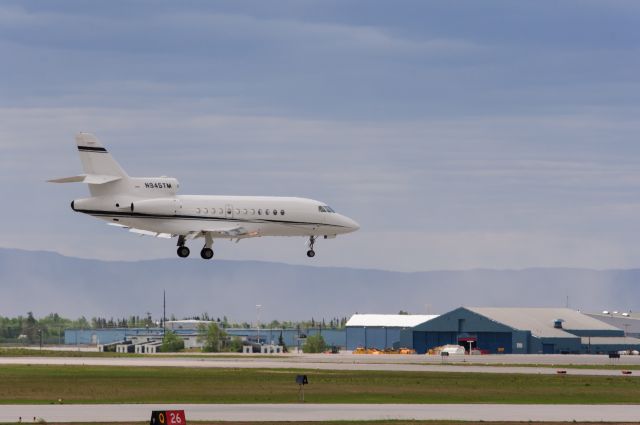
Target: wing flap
227, 232
237, 232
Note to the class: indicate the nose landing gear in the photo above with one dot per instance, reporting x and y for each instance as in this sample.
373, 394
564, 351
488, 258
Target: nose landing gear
311, 253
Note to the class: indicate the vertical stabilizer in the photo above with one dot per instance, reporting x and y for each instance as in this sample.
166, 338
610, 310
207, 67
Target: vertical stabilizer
95, 158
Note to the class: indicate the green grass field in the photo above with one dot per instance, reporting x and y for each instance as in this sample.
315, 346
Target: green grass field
91, 384
385, 422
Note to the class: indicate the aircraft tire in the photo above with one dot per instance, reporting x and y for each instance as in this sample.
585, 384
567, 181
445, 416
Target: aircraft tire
311, 253
206, 253
183, 252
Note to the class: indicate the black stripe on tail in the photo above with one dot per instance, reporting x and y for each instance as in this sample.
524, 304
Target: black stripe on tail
90, 149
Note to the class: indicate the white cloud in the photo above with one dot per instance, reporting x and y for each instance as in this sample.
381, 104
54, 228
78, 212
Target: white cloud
490, 146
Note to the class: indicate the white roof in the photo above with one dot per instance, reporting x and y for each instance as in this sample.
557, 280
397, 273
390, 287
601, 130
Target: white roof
540, 320
389, 320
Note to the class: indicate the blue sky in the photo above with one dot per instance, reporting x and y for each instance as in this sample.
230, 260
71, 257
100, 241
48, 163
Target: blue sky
460, 134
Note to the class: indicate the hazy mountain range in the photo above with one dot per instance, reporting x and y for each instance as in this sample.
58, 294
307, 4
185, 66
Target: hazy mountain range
45, 282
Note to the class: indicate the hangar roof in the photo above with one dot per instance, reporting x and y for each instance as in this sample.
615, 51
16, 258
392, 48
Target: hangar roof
610, 340
389, 320
630, 323
540, 321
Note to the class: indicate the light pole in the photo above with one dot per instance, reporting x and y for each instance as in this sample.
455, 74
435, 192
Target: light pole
258, 306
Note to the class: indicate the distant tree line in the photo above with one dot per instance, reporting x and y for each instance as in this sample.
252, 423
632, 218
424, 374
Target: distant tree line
30, 330
333, 323
51, 328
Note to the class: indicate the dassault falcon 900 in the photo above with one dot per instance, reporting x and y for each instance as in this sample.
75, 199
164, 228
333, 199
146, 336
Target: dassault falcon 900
150, 206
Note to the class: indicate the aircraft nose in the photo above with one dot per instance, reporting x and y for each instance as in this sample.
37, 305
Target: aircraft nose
352, 224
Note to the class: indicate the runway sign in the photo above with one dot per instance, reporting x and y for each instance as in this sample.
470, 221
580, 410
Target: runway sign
168, 417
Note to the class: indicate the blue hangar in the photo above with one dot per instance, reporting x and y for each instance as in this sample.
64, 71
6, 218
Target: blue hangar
380, 331
518, 331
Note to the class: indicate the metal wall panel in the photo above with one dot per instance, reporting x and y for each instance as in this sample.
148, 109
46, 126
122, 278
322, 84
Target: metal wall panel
423, 341
355, 337
493, 341
372, 337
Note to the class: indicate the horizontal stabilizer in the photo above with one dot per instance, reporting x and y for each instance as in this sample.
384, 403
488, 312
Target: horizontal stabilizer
87, 178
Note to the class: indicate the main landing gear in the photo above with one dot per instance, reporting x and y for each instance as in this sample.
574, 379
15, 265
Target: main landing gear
183, 251
206, 252
311, 253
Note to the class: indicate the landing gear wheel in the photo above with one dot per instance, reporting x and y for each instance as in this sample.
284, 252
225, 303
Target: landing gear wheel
311, 253
206, 253
183, 252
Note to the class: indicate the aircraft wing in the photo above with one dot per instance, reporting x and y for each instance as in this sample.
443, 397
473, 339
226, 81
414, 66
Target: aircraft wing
142, 232
229, 231
222, 231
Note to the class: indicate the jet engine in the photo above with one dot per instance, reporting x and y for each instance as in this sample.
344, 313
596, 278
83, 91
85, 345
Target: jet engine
161, 206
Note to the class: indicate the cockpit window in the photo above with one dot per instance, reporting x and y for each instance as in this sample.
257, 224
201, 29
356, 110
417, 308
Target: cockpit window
325, 208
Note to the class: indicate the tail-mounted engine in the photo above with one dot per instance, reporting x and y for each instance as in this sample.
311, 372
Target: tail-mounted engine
158, 206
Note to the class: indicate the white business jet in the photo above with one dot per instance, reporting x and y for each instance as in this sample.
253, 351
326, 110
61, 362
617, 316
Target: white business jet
150, 206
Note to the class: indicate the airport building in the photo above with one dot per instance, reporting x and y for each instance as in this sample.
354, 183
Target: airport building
627, 321
482, 330
380, 331
188, 330
518, 331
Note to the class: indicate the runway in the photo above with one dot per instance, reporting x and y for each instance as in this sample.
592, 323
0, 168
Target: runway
325, 412
327, 362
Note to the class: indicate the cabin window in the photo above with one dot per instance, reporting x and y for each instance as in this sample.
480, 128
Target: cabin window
206, 210
281, 212
198, 210
221, 211
245, 212
237, 211
266, 212
253, 212
229, 211
259, 212
275, 212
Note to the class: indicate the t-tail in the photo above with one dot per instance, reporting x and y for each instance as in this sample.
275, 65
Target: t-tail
107, 179
101, 171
